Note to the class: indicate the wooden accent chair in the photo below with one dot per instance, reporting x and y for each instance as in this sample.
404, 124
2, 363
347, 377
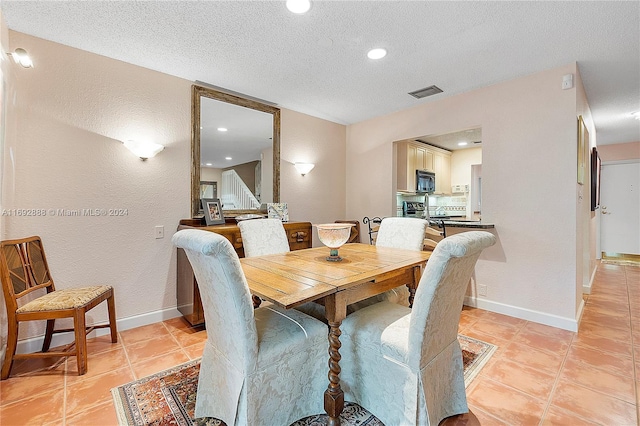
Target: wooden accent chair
264, 366
24, 270
405, 365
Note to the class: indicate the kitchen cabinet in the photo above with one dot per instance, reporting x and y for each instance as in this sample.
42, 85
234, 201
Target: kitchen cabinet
442, 169
412, 156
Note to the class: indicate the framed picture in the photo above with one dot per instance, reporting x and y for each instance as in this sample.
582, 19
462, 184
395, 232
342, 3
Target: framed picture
278, 211
596, 166
583, 145
212, 211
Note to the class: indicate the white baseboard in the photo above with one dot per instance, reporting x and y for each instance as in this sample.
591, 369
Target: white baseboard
586, 289
570, 324
34, 344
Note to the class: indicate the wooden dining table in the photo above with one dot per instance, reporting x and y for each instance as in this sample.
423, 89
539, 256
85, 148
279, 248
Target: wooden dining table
297, 277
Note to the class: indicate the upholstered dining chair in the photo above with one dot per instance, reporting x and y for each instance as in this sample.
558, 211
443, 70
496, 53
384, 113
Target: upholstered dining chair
25, 273
405, 365
264, 366
263, 236
398, 232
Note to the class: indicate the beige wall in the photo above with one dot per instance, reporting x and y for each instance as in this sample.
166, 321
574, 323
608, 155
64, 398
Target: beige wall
528, 185
619, 151
319, 196
73, 109
461, 162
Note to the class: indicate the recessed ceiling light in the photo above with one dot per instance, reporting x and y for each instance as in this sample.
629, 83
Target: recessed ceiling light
462, 143
209, 164
378, 53
298, 6
222, 129
636, 115
228, 158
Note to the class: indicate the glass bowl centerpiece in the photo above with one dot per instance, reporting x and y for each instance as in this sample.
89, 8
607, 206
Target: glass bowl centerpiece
334, 236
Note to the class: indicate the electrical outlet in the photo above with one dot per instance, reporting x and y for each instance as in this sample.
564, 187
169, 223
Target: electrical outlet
159, 232
482, 290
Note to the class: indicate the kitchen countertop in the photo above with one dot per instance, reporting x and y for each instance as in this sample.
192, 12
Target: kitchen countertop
462, 222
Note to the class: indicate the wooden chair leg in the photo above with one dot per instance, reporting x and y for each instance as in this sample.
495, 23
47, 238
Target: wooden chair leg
111, 304
48, 334
80, 328
12, 342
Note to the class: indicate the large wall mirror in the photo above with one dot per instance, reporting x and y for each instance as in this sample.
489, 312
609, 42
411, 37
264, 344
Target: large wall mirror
235, 152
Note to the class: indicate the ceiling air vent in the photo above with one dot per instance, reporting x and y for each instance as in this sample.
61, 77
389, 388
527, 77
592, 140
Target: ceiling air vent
427, 91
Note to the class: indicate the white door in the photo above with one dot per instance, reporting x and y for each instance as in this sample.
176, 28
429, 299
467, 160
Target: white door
620, 208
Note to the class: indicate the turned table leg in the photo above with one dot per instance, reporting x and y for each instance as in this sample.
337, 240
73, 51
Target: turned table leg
334, 396
336, 311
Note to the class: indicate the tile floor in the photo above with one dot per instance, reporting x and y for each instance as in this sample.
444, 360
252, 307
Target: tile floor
539, 375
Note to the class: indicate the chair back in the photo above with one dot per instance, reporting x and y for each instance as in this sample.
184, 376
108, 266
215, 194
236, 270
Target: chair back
23, 269
228, 309
263, 236
440, 294
402, 232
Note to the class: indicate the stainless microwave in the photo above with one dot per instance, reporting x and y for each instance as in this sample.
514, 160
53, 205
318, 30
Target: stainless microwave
425, 181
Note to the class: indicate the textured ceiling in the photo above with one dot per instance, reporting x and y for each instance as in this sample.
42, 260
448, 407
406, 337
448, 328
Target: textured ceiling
316, 63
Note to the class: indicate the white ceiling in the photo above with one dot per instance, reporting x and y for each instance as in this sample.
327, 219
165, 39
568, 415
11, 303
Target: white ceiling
316, 63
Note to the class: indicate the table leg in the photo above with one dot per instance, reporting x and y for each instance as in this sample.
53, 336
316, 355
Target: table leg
336, 311
417, 274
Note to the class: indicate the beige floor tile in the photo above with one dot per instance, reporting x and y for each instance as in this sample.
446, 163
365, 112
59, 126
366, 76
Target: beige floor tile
40, 409
102, 414
545, 342
542, 360
100, 344
526, 379
98, 364
589, 404
188, 339
611, 363
87, 393
157, 364
505, 319
490, 327
27, 386
546, 330
151, 348
195, 351
592, 329
604, 344
505, 403
140, 334
558, 417
618, 386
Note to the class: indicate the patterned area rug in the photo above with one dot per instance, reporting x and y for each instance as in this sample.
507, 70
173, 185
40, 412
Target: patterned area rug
169, 397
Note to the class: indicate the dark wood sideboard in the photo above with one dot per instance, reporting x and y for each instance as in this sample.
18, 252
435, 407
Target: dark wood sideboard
189, 303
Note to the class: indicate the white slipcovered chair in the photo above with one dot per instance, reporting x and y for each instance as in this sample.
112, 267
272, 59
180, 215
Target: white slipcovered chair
405, 365
263, 236
398, 232
266, 366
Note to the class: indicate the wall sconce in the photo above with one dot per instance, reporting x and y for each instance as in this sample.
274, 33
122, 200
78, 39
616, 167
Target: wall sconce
20, 56
143, 150
304, 168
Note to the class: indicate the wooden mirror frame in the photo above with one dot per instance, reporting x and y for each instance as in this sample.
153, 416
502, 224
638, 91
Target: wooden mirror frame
196, 94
